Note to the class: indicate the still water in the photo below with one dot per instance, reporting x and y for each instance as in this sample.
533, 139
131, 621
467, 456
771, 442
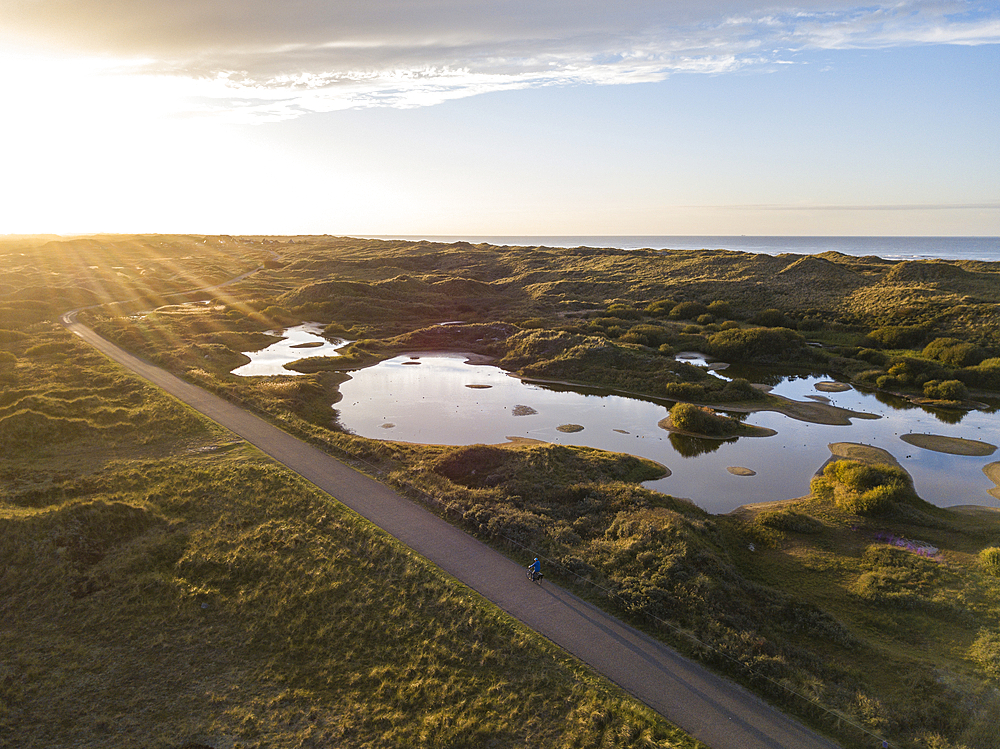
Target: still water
302, 341
441, 399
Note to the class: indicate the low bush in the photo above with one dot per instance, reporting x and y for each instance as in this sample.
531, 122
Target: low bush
685, 391
646, 335
863, 488
985, 375
660, 308
954, 352
989, 560
770, 318
700, 420
872, 356
623, 312
688, 311
757, 345
721, 309
948, 390
985, 651
790, 521
896, 337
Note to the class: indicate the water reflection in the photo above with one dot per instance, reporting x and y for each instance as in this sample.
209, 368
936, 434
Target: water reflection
441, 399
691, 447
302, 341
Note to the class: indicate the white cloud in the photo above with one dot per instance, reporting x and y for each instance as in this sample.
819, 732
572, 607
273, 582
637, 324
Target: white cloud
275, 60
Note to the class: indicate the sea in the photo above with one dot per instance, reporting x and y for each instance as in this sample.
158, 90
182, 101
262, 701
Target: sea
889, 248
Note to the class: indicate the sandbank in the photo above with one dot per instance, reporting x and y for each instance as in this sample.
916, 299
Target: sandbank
992, 472
862, 453
832, 387
740, 471
949, 445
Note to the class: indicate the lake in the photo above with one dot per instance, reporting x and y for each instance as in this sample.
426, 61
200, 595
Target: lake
440, 399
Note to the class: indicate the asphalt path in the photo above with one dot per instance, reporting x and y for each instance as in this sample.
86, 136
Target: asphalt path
719, 713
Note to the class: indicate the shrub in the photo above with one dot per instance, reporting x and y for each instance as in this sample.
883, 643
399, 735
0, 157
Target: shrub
954, 352
690, 418
278, 314
985, 651
739, 389
705, 319
789, 521
49, 348
876, 501
756, 344
685, 391
985, 375
989, 560
896, 337
7, 360
948, 390
868, 489
647, 335
770, 318
623, 312
660, 308
688, 311
721, 310
872, 356
335, 330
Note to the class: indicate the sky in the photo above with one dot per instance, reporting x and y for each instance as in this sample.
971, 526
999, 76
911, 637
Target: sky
502, 118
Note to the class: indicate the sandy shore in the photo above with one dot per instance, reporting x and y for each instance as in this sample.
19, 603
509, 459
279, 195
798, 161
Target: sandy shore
949, 445
992, 472
832, 387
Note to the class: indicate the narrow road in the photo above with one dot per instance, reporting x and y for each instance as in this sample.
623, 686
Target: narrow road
710, 708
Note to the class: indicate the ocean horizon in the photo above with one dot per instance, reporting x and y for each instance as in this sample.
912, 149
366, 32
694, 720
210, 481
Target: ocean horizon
985, 249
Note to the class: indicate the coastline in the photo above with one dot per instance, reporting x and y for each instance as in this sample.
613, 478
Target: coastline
978, 249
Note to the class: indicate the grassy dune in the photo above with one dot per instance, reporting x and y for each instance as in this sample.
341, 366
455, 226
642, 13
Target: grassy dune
832, 606
162, 585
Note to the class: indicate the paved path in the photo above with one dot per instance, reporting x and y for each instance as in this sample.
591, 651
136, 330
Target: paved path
710, 708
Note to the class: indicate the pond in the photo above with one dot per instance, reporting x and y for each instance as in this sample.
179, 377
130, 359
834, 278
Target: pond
442, 399
295, 343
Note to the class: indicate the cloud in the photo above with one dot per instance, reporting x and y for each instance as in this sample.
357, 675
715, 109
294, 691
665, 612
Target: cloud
279, 60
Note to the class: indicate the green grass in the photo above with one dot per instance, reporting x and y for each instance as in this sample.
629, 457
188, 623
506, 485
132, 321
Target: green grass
902, 645
164, 585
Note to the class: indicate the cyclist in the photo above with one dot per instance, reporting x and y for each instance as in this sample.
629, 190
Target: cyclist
535, 568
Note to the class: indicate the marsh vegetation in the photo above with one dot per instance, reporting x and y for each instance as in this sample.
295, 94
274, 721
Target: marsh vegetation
812, 603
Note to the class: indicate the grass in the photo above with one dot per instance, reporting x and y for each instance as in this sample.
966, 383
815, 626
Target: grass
218, 599
163, 585
804, 595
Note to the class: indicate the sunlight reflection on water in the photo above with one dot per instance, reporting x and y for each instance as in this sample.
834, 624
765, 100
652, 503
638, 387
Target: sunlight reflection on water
441, 399
296, 343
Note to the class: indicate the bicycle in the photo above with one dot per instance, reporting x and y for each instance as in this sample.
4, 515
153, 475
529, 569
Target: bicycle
535, 577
